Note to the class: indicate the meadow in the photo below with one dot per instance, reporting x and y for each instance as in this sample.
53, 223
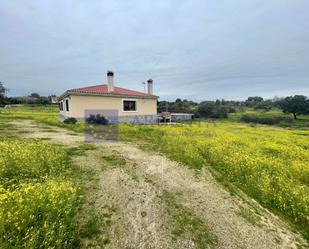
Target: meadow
268, 163
39, 199
39, 195
43, 114
287, 121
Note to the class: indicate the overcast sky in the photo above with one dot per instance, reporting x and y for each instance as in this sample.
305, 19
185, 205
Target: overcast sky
195, 49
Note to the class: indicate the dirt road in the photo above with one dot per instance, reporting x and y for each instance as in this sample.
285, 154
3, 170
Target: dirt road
148, 201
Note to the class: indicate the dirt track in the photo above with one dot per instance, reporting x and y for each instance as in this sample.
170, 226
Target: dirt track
134, 188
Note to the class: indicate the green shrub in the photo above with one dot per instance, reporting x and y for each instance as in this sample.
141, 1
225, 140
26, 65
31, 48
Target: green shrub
265, 120
97, 119
70, 121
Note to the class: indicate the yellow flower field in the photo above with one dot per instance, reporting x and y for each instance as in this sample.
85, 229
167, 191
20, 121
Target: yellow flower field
38, 202
269, 164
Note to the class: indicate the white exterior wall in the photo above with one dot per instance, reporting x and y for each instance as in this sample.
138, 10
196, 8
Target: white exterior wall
78, 104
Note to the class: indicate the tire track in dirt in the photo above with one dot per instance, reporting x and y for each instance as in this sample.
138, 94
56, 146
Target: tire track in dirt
211, 202
141, 219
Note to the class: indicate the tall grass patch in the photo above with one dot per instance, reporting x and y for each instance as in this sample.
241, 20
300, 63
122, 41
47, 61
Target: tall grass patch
270, 165
42, 115
38, 196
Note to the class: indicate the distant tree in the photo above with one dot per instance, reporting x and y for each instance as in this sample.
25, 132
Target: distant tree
210, 109
2, 89
296, 105
276, 101
253, 101
220, 112
43, 100
2, 94
14, 100
35, 98
264, 105
34, 95
206, 108
177, 106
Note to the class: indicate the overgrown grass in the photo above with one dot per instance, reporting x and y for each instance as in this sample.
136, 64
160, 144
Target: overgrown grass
250, 216
114, 159
92, 226
187, 224
33, 108
274, 117
23, 161
7, 129
270, 165
81, 149
45, 116
266, 120
39, 198
97, 227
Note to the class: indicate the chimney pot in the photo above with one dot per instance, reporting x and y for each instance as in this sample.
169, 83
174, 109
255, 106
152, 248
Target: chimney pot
110, 81
150, 86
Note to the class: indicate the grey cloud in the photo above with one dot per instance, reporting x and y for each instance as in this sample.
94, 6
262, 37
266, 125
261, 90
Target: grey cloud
200, 49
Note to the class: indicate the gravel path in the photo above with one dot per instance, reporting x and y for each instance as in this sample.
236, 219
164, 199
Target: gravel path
134, 187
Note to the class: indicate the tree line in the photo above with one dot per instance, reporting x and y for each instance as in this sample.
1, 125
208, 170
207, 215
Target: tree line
296, 105
33, 98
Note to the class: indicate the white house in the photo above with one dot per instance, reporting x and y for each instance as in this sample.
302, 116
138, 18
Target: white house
123, 105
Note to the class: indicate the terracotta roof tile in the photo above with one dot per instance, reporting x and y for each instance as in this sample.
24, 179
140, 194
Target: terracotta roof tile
102, 89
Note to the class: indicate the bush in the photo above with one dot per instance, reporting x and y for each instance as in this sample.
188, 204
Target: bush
231, 109
219, 112
97, 119
209, 109
70, 121
265, 120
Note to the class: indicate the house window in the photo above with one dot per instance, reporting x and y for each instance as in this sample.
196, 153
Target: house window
129, 105
61, 106
67, 105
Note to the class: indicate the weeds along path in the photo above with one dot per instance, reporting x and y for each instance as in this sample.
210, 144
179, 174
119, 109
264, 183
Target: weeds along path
140, 199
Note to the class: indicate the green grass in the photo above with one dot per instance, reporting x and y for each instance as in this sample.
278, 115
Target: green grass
92, 227
302, 121
250, 216
269, 164
114, 159
81, 149
97, 227
40, 114
7, 129
39, 192
39, 197
187, 224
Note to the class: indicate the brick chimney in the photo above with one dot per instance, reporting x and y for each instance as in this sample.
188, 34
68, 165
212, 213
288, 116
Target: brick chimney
150, 86
110, 81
